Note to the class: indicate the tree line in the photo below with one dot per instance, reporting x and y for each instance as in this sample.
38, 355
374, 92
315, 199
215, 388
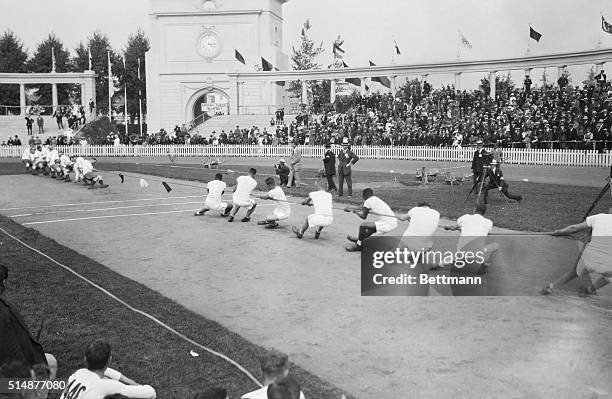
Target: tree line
15, 58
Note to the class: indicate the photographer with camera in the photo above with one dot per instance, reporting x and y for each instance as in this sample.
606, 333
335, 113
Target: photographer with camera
481, 157
282, 171
497, 181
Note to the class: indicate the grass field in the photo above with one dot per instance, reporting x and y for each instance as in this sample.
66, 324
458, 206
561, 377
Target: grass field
545, 206
75, 314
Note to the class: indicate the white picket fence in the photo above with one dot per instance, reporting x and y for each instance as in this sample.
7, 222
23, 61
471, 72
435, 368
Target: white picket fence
511, 155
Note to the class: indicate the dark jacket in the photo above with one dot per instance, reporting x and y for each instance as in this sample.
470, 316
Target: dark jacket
329, 162
16, 341
344, 160
481, 157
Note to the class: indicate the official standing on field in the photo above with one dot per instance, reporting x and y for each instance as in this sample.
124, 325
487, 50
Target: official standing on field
346, 159
329, 164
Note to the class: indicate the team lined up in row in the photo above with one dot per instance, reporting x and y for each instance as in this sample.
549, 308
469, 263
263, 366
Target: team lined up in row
51, 162
423, 223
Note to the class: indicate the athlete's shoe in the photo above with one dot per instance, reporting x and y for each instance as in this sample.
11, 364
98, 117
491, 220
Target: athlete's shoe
297, 233
245, 219
353, 248
230, 219
200, 213
352, 239
317, 235
272, 225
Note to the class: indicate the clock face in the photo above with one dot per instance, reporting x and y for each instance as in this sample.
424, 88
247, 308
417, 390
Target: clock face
209, 45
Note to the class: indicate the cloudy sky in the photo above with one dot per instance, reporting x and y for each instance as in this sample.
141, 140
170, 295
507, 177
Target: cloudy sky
425, 30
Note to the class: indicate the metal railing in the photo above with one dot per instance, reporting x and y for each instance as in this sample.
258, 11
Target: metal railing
444, 154
15, 110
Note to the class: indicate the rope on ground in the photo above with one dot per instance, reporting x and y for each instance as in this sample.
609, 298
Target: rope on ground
142, 313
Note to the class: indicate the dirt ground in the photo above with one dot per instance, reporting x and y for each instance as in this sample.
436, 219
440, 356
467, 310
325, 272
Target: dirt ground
303, 296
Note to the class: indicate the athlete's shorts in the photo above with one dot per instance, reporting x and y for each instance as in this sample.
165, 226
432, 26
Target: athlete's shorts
383, 227
215, 206
594, 261
278, 214
89, 176
315, 220
248, 204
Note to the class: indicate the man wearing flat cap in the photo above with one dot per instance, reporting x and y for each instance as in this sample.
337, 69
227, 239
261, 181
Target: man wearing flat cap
329, 164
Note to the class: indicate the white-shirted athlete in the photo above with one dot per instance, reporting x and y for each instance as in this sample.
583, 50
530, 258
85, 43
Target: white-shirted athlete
384, 222
214, 199
66, 166
474, 231
242, 195
595, 260
27, 158
423, 224
282, 210
98, 381
89, 176
323, 215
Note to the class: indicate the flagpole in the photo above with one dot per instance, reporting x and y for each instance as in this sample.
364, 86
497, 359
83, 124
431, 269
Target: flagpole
458, 45
600, 41
529, 40
110, 82
139, 100
125, 111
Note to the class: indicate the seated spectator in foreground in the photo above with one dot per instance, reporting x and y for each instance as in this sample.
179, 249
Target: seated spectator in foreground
98, 380
274, 367
17, 344
212, 393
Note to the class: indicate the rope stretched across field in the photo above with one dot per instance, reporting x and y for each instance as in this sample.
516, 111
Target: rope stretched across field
140, 312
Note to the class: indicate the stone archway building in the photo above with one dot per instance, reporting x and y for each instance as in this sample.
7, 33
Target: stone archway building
193, 44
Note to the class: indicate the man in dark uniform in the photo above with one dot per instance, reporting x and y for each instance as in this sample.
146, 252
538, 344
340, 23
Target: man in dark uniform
282, 170
499, 183
481, 157
600, 136
527, 82
329, 163
346, 159
17, 342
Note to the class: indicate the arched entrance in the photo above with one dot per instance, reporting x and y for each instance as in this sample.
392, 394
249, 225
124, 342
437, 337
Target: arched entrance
212, 102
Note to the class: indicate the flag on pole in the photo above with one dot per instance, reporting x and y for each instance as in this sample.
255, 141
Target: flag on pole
383, 80
239, 57
464, 41
307, 25
265, 65
397, 49
607, 27
344, 64
338, 51
89, 58
535, 35
52, 59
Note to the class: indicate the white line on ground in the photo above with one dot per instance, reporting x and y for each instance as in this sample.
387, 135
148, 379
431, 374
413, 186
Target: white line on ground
104, 209
101, 202
107, 217
116, 216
